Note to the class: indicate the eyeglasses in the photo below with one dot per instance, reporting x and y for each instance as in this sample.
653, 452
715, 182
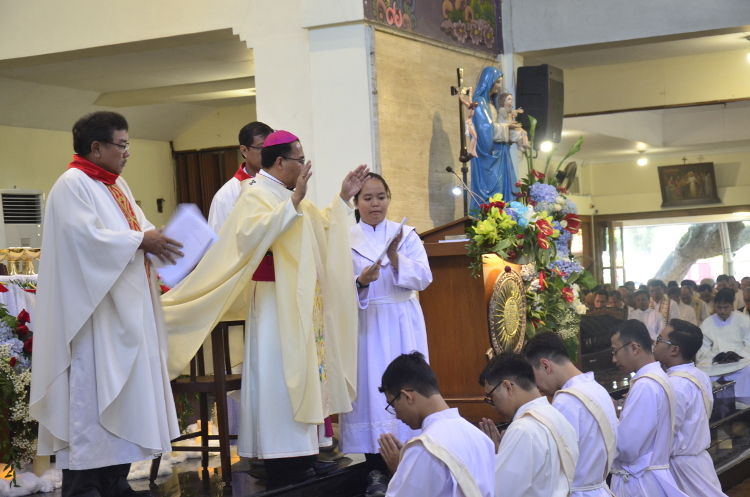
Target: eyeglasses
124, 148
615, 351
301, 160
389, 408
488, 397
660, 339
256, 148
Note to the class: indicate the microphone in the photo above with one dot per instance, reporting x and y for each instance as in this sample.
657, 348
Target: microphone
464, 187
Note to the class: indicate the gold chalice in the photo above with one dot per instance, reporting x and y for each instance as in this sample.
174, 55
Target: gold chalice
29, 254
15, 264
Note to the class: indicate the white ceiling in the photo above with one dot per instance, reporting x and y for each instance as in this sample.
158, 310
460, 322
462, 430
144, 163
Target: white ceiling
162, 86
636, 51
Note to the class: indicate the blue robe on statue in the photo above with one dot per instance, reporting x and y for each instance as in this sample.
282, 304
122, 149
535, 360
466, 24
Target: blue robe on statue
492, 170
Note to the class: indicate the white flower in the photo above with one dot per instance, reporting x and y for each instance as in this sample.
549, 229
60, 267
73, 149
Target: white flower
528, 271
581, 309
556, 207
564, 223
535, 286
560, 200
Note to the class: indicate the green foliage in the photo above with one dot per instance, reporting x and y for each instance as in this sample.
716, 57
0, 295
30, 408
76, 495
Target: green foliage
456, 15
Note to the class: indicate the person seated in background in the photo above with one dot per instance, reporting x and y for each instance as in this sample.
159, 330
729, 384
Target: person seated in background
686, 311
588, 300
722, 281
451, 458
706, 293
630, 301
648, 316
692, 467
538, 453
672, 284
744, 282
689, 296
601, 298
745, 309
644, 435
659, 300
623, 291
726, 339
584, 403
738, 301
630, 285
615, 300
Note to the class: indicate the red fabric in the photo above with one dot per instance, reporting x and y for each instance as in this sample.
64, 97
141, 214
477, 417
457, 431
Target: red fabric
265, 270
92, 170
241, 174
329, 427
3, 288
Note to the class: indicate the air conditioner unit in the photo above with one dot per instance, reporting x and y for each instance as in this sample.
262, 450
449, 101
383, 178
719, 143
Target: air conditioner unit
21, 213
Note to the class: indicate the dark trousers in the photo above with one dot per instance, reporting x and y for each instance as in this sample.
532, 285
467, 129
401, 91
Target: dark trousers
109, 481
281, 466
376, 461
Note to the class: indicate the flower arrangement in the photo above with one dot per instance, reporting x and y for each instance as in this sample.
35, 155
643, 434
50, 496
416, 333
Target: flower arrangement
470, 21
535, 230
18, 431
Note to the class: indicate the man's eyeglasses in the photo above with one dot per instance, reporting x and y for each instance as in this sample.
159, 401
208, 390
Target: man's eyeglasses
389, 408
615, 351
301, 160
124, 148
488, 397
256, 148
660, 339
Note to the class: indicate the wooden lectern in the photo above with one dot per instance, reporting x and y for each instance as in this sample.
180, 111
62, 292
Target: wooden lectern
455, 314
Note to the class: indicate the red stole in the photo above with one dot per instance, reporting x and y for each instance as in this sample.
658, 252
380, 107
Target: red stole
241, 174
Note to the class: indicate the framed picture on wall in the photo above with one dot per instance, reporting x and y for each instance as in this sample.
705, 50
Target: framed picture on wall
688, 184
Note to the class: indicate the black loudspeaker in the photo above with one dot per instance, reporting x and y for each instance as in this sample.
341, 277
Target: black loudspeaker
539, 92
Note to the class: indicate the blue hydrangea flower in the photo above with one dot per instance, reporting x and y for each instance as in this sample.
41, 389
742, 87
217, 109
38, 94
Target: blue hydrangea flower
541, 192
566, 266
569, 207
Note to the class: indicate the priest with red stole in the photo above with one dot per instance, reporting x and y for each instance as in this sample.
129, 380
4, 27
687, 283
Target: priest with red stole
252, 136
100, 388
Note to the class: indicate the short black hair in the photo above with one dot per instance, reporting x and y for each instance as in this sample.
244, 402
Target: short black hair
687, 336
379, 178
674, 290
602, 292
268, 155
724, 296
722, 277
251, 130
546, 345
634, 331
508, 366
96, 127
689, 283
616, 294
705, 287
642, 292
673, 284
745, 278
655, 282
409, 371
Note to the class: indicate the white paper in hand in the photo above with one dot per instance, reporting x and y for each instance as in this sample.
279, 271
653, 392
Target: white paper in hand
390, 240
188, 226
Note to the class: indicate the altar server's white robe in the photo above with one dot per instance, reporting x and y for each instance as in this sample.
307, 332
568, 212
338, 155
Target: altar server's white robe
651, 318
690, 464
687, 313
667, 307
644, 440
528, 462
223, 202
391, 323
732, 335
592, 468
100, 388
421, 474
283, 396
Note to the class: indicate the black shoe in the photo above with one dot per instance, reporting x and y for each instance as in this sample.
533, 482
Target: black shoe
377, 484
292, 476
324, 467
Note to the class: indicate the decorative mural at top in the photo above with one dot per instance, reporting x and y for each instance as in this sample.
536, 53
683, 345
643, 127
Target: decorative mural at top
473, 24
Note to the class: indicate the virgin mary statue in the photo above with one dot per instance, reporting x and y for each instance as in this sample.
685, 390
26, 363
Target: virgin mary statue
492, 169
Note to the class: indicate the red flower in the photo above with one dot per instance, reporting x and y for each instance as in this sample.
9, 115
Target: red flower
537, 174
499, 205
542, 281
511, 255
558, 272
23, 317
28, 345
567, 294
545, 228
30, 290
520, 194
520, 236
12, 361
22, 330
164, 288
518, 184
562, 190
484, 208
574, 222
3, 288
541, 240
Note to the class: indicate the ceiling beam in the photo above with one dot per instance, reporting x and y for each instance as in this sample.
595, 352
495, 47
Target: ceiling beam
193, 92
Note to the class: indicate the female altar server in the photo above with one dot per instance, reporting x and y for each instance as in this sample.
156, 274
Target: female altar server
390, 317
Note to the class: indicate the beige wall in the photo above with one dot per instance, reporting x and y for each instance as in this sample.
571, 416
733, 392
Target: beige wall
625, 187
419, 128
35, 158
220, 129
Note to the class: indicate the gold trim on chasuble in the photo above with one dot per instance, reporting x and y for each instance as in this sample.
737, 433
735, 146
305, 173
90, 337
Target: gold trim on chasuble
127, 210
507, 313
320, 345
